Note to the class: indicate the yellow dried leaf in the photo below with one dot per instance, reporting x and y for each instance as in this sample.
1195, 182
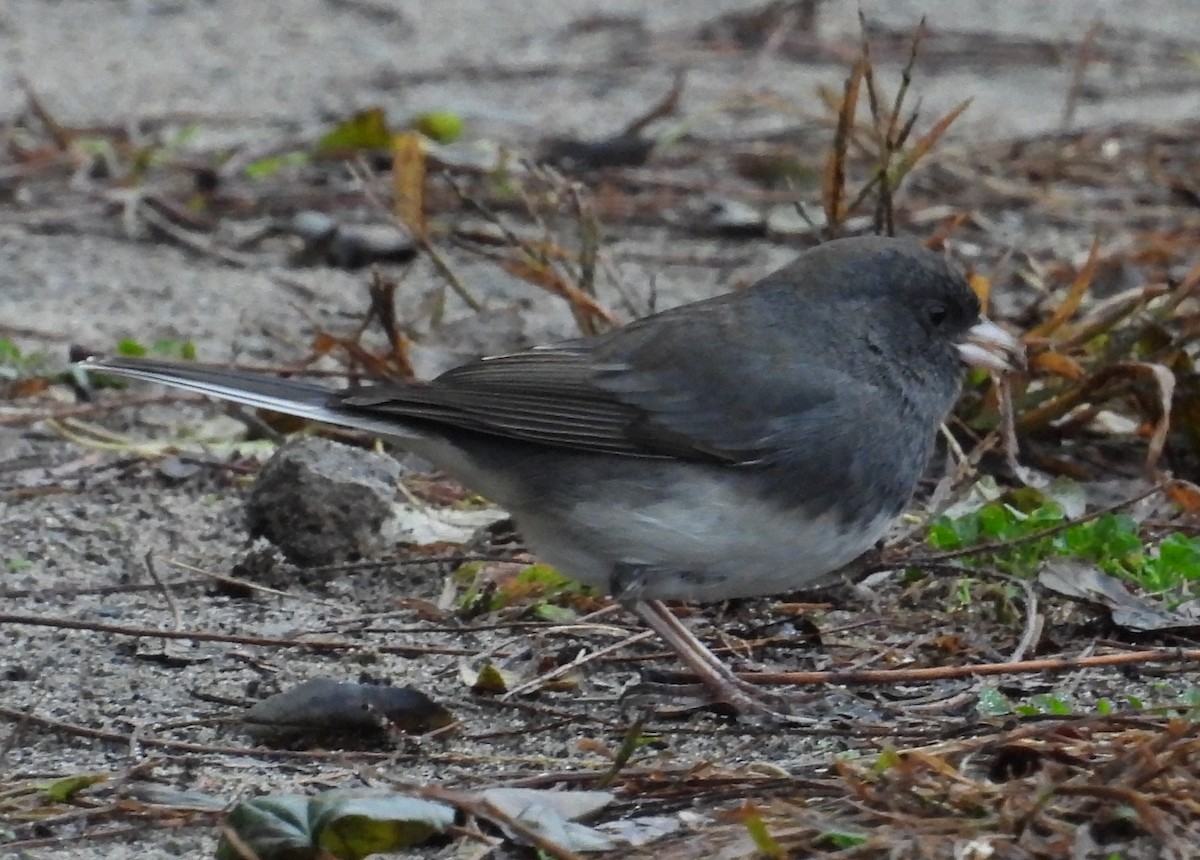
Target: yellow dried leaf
408, 180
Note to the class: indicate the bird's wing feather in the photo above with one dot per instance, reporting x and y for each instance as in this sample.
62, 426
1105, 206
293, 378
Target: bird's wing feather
609, 395
544, 395
713, 387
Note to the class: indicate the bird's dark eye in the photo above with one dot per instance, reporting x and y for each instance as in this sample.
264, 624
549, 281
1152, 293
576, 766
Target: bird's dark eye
937, 314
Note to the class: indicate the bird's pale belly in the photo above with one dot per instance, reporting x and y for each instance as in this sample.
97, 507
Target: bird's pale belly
722, 545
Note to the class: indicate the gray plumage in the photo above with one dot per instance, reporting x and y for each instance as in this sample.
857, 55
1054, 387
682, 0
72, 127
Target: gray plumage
738, 446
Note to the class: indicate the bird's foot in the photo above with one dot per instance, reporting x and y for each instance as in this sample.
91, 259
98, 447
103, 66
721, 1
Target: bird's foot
752, 704
722, 685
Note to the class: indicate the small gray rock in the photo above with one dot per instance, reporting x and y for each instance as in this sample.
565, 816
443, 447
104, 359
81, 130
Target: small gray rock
15, 450
327, 706
325, 503
349, 246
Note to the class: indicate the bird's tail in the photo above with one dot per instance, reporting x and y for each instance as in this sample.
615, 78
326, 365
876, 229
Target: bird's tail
259, 390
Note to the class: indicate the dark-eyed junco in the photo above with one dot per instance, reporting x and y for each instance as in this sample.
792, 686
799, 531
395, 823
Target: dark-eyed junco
739, 446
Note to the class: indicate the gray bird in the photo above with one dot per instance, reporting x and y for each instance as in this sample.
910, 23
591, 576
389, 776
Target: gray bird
739, 446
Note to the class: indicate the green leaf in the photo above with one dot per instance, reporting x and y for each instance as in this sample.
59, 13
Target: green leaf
129, 346
537, 583
346, 825
10, 353
367, 129
993, 703
1190, 697
888, 759
543, 575
1180, 555
15, 364
555, 613
264, 168
840, 839
996, 521
976, 377
489, 679
1113, 542
353, 827
275, 827
93, 146
439, 125
62, 790
172, 348
945, 535
468, 574
184, 136
1051, 704
762, 838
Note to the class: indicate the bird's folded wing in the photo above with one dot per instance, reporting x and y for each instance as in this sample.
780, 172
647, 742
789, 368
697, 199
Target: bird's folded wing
603, 397
545, 396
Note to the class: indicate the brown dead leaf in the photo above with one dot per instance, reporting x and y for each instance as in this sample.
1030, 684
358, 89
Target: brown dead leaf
1075, 295
408, 180
1058, 364
833, 190
24, 388
1185, 494
324, 343
584, 307
926, 142
1104, 384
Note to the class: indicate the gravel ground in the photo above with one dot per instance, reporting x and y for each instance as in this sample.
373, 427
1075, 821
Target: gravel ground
76, 550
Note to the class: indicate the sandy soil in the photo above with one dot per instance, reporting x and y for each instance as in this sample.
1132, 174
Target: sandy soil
516, 72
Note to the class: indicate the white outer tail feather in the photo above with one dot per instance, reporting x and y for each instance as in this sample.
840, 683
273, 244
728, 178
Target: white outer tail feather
304, 403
